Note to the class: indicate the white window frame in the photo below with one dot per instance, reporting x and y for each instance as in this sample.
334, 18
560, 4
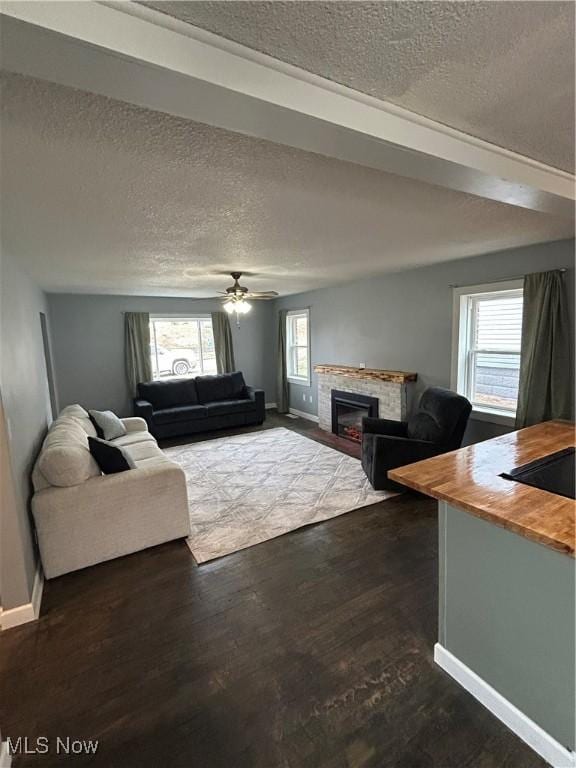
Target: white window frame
460, 345
179, 316
302, 380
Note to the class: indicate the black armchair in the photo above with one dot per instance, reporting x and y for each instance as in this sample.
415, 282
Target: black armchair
436, 427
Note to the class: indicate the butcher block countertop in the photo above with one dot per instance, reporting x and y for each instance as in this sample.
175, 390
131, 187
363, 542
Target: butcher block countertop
469, 479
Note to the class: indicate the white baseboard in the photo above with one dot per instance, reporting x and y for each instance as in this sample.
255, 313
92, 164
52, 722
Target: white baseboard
304, 415
268, 406
5, 756
529, 731
22, 614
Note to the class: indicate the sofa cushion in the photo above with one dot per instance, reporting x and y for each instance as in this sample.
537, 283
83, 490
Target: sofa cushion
73, 411
110, 458
153, 462
131, 438
65, 458
107, 424
82, 416
423, 426
225, 386
167, 394
441, 417
88, 427
180, 413
140, 451
230, 406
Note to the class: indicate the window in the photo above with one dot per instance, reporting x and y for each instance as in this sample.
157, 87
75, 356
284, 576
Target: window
298, 346
181, 346
486, 363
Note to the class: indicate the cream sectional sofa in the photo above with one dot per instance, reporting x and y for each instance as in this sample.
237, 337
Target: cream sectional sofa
83, 517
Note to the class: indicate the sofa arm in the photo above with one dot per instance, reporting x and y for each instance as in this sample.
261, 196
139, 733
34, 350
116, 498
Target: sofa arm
144, 409
258, 396
373, 426
135, 424
109, 516
119, 490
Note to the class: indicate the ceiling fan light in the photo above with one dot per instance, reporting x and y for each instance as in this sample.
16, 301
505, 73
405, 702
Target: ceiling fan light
242, 307
229, 308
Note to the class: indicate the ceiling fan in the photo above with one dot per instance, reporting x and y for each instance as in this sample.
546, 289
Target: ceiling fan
235, 296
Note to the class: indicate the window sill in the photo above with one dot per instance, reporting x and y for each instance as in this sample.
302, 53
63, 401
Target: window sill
300, 382
494, 417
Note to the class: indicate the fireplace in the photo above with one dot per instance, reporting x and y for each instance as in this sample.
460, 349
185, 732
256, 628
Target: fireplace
348, 410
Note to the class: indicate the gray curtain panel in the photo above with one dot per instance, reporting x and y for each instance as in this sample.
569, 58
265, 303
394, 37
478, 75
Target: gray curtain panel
282, 391
137, 348
223, 345
545, 365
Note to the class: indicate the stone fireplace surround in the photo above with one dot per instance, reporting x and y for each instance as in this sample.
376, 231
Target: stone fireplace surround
390, 387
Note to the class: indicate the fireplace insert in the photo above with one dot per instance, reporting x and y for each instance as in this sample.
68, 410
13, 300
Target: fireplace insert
348, 410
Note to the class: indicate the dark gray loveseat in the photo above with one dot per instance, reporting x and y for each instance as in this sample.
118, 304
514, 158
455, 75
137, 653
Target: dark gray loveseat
188, 406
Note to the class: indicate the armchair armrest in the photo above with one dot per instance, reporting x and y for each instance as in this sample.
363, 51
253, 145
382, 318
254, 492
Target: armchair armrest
397, 451
372, 426
381, 453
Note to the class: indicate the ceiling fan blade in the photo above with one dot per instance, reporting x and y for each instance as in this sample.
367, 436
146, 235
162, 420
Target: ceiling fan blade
261, 294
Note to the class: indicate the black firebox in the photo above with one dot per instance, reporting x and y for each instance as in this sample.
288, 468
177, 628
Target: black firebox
348, 410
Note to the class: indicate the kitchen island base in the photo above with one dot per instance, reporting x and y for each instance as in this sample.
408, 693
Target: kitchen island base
507, 628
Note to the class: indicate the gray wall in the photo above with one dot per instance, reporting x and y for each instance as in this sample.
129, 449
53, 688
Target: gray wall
88, 345
25, 398
507, 611
403, 321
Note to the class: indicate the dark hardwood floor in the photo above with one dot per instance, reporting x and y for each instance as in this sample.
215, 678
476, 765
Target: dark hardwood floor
313, 650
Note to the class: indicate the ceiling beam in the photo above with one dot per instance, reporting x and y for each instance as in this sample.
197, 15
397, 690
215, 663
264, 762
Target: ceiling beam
135, 54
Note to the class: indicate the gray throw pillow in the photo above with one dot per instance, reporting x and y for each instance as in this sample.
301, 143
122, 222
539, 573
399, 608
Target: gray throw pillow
108, 425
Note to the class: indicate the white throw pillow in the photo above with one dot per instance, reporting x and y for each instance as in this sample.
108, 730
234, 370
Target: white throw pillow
107, 424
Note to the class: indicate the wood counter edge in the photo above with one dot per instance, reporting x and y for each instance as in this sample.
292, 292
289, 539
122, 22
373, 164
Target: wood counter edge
502, 522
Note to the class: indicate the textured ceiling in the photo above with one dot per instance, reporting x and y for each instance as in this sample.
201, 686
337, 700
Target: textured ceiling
101, 196
501, 71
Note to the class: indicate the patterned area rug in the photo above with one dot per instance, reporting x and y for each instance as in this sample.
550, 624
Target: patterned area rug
246, 489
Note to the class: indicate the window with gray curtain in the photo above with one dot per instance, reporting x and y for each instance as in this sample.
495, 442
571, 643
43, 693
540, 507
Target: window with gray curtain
546, 376
223, 344
282, 390
137, 349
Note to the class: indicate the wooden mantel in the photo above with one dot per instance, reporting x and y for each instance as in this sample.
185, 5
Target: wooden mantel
396, 377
